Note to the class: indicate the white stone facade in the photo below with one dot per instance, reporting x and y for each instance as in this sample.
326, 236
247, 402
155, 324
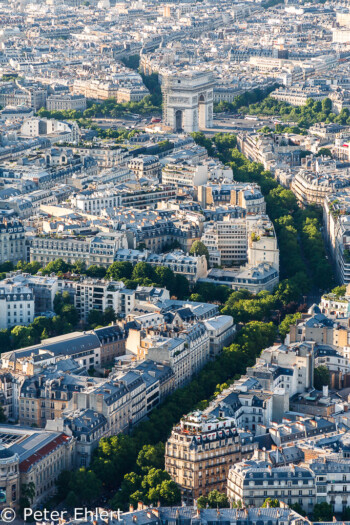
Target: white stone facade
188, 100
16, 305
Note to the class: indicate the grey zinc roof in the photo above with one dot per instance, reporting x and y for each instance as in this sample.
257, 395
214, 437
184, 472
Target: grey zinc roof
85, 421
32, 442
64, 346
111, 392
192, 516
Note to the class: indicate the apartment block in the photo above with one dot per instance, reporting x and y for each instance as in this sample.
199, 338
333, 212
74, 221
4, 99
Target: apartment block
192, 267
99, 249
66, 102
12, 241
253, 481
16, 305
185, 174
200, 451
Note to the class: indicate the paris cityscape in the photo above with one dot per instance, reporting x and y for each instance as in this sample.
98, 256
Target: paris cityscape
175, 262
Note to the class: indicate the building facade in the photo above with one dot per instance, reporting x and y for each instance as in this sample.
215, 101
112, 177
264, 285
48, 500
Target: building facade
188, 100
252, 482
16, 305
199, 453
12, 241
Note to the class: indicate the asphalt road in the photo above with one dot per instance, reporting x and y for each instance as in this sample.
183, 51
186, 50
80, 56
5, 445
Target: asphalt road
125, 122
235, 125
224, 124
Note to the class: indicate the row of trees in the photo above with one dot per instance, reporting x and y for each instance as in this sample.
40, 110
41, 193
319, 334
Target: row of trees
146, 275
110, 108
303, 260
133, 465
149, 482
313, 111
8, 266
67, 318
309, 223
244, 100
220, 143
282, 207
64, 322
129, 465
59, 267
296, 249
141, 274
280, 128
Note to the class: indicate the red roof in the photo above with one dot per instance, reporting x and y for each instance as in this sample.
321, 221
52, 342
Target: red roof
25, 465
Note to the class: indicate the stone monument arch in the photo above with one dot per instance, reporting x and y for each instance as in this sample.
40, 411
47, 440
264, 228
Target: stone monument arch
188, 100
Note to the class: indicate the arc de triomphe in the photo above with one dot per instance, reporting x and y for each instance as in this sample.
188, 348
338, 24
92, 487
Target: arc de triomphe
188, 100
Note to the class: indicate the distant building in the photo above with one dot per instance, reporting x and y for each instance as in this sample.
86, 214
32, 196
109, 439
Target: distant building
145, 166
248, 196
190, 266
93, 202
66, 102
254, 278
95, 89
100, 249
12, 241
332, 480
43, 288
54, 130
185, 174
16, 305
299, 95
83, 347
319, 178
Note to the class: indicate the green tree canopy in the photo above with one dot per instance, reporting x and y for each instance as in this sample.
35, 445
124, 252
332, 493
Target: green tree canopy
5, 340
96, 271
215, 499
199, 248
271, 503
151, 456
321, 377
182, 286
165, 278
323, 512
143, 270
324, 151
85, 485
109, 315
57, 266
298, 508
119, 271
339, 291
70, 314
22, 336
95, 318
288, 321
202, 140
